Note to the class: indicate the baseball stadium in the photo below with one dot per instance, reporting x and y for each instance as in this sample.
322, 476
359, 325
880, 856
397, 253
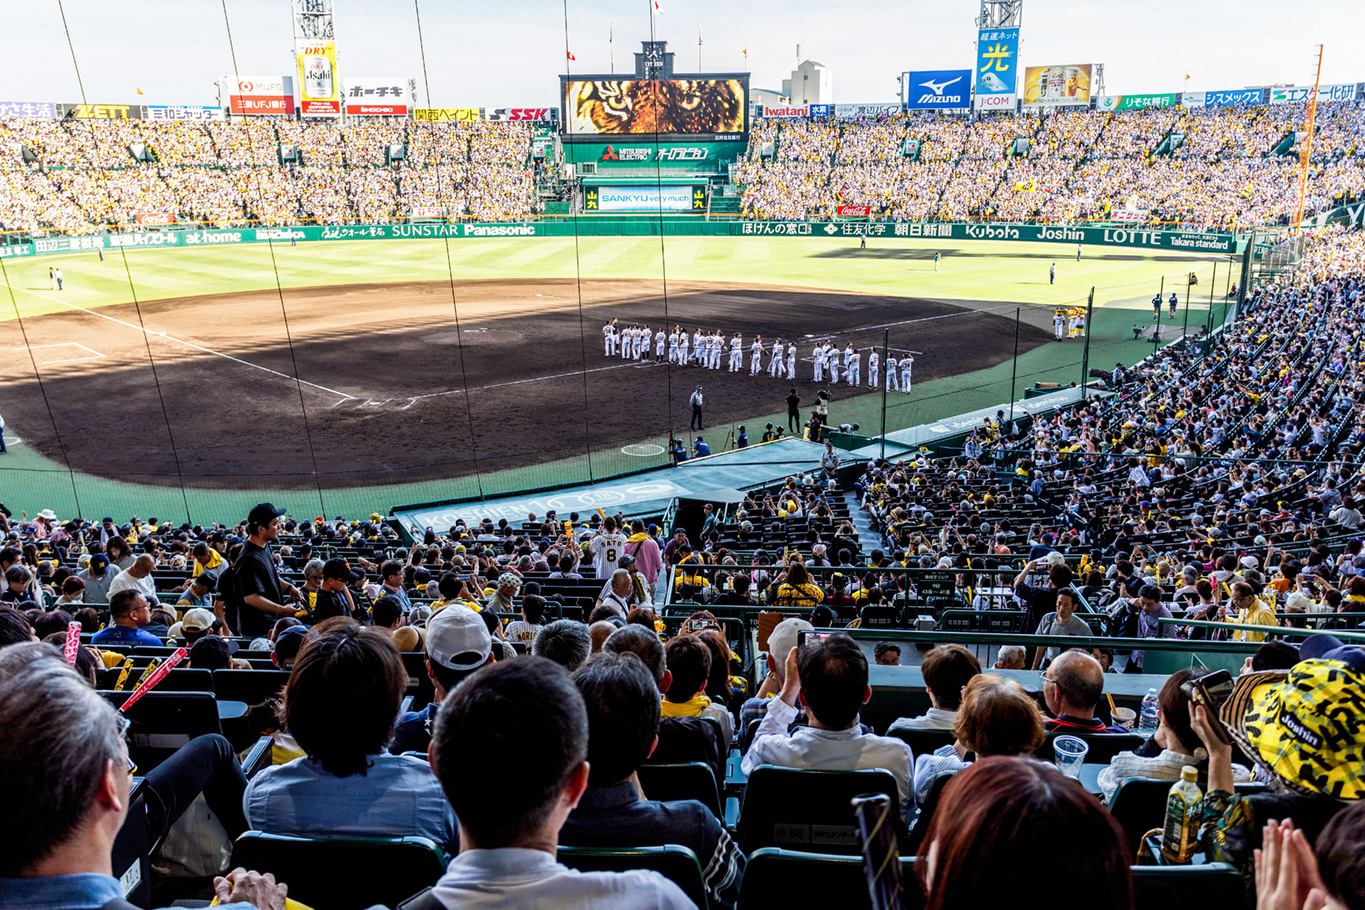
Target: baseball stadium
318, 392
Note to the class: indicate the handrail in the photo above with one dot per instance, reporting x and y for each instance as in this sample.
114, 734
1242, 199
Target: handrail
1342, 634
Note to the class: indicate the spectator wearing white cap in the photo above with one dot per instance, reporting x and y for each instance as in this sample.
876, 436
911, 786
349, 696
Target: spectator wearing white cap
458, 643
781, 640
194, 625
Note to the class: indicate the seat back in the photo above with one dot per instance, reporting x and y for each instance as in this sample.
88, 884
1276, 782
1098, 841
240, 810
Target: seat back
419, 684
162, 722
343, 873
789, 878
923, 742
1103, 746
675, 863
249, 686
789, 807
692, 780
1139, 805
1186, 887
926, 811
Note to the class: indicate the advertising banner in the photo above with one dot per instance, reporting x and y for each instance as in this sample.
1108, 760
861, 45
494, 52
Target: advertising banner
1297, 94
319, 82
376, 96
531, 114
448, 114
937, 89
821, 111
674, 107
854, 211
155, 218
41, 110
997, 68
101, 111
788, 112
862, 110
643, 198
258, 96
1134, 102
183, 112
1231, 97
1057, 86
428, 211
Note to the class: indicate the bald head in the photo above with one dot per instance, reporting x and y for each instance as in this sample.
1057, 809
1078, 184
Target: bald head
1078, 683
142, 566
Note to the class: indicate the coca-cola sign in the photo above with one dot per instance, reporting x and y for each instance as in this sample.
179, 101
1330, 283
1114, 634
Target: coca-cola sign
155, 218
855, 211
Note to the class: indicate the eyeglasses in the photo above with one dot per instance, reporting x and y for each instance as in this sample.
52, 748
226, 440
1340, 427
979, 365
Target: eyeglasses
1046, 679
121, 725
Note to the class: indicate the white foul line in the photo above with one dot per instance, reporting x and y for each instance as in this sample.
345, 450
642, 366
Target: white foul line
191, 344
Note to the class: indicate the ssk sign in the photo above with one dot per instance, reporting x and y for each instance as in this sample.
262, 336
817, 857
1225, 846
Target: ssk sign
531, 114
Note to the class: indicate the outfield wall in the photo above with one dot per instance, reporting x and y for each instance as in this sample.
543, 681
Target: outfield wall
602, 226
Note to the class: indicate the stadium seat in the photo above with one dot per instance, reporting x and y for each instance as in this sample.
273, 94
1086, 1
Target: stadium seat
343, 874
777, 879
926, 811
923, 742
786, 807
162, 722
1187, 887
250, 686
1103, 746
678, 864
1139, 805
693, 780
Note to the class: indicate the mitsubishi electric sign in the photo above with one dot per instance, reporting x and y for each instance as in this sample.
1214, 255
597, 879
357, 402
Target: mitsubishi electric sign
938, 90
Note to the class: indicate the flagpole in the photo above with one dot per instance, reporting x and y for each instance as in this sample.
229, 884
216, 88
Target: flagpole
611, 47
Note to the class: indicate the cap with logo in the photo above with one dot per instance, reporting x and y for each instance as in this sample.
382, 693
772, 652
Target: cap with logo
263, 513
457, 638
1305, 725
784, 637
339, 568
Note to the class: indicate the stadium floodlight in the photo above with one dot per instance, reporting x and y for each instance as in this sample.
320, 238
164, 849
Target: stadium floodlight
313, 19
1001, 14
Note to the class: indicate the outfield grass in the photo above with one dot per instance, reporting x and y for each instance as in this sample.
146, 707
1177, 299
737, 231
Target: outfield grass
1004, 274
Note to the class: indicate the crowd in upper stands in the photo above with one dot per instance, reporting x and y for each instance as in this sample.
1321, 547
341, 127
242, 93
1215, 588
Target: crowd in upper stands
232, 174
1230, 167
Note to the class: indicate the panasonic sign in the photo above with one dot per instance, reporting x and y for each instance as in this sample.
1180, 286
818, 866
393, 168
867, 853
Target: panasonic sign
937, 89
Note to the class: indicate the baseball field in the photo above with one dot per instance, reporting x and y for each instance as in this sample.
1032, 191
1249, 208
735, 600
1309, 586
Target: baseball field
353, 376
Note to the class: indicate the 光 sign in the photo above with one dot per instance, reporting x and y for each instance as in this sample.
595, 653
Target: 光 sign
929, 89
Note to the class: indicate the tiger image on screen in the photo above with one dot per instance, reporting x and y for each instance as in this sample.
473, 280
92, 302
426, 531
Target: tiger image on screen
656, 106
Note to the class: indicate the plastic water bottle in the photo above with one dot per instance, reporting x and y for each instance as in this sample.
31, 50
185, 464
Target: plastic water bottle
1147, 720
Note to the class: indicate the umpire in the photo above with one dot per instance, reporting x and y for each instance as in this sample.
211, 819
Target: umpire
696, 410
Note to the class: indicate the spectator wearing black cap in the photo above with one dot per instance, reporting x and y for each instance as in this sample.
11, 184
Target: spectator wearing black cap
458, 643
528, 721
98, 576
287, 646
201, 591
340, 705
333, 595
259, 591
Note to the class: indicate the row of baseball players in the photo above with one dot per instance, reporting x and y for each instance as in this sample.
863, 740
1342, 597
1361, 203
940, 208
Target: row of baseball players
706, 349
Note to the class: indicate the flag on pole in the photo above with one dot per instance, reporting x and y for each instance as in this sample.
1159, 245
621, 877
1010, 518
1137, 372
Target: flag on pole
139, 91
570, 55
658, 8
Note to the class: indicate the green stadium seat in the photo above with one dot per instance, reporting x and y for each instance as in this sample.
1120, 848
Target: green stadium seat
1213, 885
926, 811
790, 807
343, 874
677, 864
689, 780
777, 879
923, 742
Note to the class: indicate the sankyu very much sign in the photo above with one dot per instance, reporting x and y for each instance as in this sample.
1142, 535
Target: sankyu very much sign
937, 89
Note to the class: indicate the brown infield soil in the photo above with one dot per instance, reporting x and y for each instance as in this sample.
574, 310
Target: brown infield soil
383, 372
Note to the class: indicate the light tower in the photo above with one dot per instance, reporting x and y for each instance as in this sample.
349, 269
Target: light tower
313, 20
1001, 14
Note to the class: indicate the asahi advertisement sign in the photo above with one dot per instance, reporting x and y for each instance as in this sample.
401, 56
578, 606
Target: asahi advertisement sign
319, 85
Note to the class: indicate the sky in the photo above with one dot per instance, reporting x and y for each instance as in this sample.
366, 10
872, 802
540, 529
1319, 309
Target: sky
509, 53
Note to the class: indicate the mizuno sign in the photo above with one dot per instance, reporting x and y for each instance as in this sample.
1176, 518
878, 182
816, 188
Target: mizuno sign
930, 89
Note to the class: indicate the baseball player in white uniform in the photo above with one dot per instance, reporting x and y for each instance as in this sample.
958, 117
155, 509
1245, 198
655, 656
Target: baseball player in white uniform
673, 346
832, 363
791, 360
892, 379
609, 337
817, 357
756, 349
907, 364
697, 348
873, 362
736, 353
682, 347
775, 364
627, 340
659, 345
854, 376
717, 346
1058, 325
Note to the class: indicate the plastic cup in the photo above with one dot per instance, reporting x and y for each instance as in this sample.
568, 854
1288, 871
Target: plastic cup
1069, 753
1124, 717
